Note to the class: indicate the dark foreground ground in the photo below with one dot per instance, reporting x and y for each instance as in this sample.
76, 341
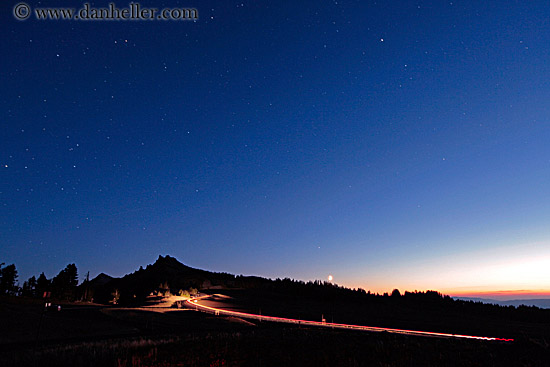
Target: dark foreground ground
93, 336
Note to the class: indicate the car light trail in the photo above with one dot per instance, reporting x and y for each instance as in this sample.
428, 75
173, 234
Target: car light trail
219, 311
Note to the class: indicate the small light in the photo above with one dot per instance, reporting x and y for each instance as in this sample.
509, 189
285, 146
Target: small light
330, 278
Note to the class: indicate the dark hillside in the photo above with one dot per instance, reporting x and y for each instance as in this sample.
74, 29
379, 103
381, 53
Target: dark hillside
166, 275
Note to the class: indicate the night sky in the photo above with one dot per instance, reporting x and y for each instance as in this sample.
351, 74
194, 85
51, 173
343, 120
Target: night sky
392, 144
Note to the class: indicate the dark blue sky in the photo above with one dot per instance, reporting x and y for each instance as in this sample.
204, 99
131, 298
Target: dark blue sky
392, 144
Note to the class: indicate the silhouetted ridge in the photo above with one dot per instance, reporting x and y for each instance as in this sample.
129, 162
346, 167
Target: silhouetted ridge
166, 275
171, 266
100, 280
305, 300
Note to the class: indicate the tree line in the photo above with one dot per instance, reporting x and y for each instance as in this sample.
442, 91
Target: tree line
62, 286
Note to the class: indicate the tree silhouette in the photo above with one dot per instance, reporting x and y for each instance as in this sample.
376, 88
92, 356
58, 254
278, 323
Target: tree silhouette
8, 276
64, 284
29, 287
42, 285
396, 293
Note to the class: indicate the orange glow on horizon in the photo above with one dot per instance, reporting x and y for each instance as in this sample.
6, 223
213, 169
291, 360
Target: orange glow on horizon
504, 272
501, 294
474, 292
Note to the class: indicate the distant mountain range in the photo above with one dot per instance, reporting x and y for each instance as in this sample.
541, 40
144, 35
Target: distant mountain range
542, 303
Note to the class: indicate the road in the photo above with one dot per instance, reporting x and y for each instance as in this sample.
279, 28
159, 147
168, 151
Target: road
194, 303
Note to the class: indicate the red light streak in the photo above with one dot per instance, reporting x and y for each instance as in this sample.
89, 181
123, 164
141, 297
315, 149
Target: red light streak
219, 311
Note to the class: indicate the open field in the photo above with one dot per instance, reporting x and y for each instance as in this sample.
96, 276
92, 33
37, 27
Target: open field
274, 346
99, 336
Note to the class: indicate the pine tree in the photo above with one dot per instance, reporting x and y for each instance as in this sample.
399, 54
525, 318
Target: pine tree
64, 284
29, 287
8, 276
42, 285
